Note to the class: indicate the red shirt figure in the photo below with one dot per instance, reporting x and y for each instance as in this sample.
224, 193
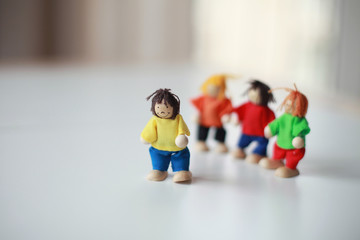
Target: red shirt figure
254, 116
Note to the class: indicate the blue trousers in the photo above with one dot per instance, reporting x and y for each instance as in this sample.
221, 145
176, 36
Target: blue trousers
180, 160
261, 147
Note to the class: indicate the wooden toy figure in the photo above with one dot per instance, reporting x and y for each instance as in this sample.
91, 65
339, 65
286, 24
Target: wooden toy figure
212, 105
254, 116
291, 129
166, 132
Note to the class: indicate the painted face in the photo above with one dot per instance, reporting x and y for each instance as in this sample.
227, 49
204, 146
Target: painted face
163, 110
254, 96
288, 106
213, 90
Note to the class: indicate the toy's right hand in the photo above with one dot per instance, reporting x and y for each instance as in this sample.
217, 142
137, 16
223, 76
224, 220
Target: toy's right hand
143, 141
267, 132
181, 141
298, 142
196, 119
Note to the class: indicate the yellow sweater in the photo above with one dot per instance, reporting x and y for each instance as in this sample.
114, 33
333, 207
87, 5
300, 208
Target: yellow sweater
161, 132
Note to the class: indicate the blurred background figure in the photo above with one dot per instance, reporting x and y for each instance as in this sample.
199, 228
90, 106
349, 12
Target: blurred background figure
312, 41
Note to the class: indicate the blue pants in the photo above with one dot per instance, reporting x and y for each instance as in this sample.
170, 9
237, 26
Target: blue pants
261, 147
180, 160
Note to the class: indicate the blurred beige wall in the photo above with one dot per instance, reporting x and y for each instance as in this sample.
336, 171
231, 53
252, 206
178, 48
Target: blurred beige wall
139, 30
314, 43
291, 40
348, 74
95, 30
21, 29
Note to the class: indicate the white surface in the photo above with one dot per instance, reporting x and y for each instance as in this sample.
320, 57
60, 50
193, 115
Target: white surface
72, 166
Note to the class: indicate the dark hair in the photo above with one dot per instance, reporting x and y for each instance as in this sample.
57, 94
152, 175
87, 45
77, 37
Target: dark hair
265, 96
168, 97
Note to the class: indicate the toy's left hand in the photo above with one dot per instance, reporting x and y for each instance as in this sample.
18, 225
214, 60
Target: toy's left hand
235, 121
143, 141
181, 141
298, 142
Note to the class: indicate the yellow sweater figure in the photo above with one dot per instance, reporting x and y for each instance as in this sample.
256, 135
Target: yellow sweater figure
166, 132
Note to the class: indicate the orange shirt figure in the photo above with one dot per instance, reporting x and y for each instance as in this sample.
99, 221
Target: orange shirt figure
212, 105
211, 110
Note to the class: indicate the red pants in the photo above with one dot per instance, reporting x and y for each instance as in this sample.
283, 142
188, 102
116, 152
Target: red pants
292, 156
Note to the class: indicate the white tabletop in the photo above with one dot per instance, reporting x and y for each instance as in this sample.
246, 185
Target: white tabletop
72, 166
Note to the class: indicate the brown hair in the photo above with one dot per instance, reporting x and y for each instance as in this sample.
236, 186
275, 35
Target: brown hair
265, 95
169, 98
